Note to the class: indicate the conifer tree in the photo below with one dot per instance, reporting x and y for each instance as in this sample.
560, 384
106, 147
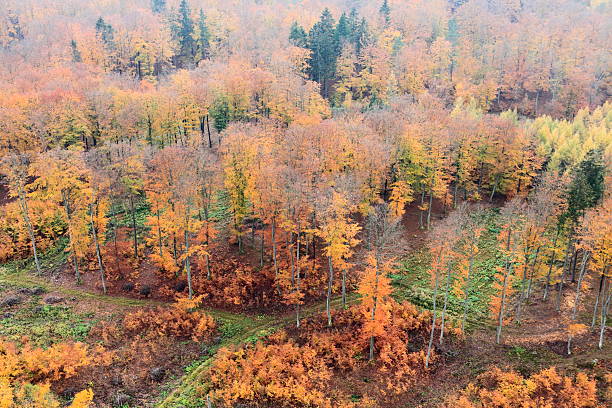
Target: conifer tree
203, 39
298, 36
158, 6
322, 39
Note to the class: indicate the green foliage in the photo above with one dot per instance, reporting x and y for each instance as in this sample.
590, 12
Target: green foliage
46, 324
587, 186
412, 281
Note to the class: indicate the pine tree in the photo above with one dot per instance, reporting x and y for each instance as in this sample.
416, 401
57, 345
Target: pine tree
186, 42
76, 54
298, 36
203, 40
105, 33
344, 32
322, 39
385, 12
158, 6
587, 186
363, 37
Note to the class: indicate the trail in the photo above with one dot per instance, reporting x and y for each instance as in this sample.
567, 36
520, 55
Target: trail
249, 327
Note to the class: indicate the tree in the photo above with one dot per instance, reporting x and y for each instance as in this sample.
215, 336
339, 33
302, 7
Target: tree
385, 12
203, 37
298, 36
158, 6
322, 43
338, 233
375, 290
184, 33
62, 178
15, 166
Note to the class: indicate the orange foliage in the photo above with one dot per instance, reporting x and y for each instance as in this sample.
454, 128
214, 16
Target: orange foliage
499, 389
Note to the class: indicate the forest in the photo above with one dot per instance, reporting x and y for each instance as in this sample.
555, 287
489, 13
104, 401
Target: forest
305, 203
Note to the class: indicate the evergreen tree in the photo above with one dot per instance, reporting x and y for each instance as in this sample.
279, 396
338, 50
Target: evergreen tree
105, 33
203, 41
298, 36
322, 42
186, 42
15, 32
363, 37
76, 54
158, 6
385, 12
587, 186
343, 31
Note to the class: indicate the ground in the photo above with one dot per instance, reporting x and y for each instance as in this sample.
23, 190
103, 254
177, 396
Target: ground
63, 311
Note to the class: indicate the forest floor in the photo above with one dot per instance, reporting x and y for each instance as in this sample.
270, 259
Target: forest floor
64, 311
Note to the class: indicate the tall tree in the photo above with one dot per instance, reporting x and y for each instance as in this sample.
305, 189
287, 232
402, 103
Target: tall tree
322, 43
158, 6
185, 35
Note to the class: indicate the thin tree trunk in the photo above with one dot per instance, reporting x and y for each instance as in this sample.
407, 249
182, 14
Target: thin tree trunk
429, 208
446, 291
135, 236
344, 288
500, 316
550, 266
421, 211
374, 305
330, 282
26, 217
601, 282
585, 259
159, 235
560, 285
298, 279
604, 315
77, 273
466, 293
433, 321
261, 252
187, 262
274, 254
97, 245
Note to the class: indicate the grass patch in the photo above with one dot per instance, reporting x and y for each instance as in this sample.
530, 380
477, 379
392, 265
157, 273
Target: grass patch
412, 281
45, 324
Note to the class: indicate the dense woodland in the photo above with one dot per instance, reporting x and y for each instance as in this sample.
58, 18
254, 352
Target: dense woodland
266, 203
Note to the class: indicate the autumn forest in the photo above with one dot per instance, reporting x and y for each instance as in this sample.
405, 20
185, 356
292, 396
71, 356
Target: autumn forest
305, 203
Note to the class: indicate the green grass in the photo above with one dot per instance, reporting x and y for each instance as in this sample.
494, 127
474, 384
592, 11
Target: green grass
45, 324
412, 280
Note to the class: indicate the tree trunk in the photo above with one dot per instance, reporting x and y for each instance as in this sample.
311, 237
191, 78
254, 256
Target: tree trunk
344, 288
208, 129
187, 262
97, 245
604, 315
330, 282
135, 236
500, 316
23, 203
446, 291
560, 285
298, 279
77, 273
374, 305
274, 255
466, 294
433, 322
429, 208
585, 259
550, 266
421, 211
159, 235
599, 289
